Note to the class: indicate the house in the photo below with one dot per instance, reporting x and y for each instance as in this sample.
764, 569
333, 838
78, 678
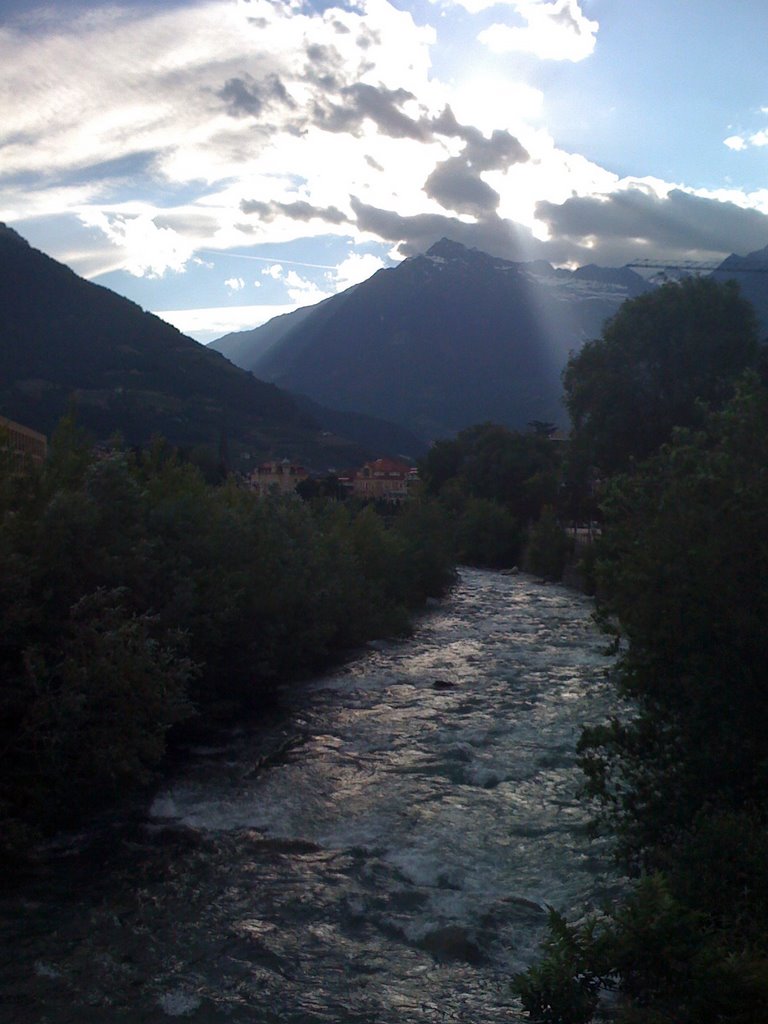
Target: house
276, 478
384, 480
23, 441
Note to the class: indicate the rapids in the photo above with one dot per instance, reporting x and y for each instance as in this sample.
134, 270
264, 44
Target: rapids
382, 853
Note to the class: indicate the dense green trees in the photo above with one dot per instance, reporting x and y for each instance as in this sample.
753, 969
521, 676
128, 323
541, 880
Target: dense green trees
134, 595
684, 565
661, 361
496, 482
681, 778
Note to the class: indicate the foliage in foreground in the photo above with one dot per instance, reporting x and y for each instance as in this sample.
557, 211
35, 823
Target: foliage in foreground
133, 596
683, 783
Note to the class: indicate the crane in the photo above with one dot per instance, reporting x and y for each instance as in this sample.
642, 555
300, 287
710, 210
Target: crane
699, 266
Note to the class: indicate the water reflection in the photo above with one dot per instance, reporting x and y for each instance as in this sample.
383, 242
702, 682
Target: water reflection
392, 864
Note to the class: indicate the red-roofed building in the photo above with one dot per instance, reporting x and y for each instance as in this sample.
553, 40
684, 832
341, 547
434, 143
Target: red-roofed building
384, 480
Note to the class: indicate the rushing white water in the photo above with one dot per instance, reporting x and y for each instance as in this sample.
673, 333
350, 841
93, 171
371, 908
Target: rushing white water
391, 862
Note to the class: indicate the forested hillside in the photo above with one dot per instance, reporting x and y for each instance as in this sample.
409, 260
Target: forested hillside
68, 342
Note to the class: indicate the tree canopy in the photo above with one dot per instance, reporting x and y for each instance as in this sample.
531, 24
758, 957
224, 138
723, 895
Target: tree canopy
134, 595
665, 405
660, 362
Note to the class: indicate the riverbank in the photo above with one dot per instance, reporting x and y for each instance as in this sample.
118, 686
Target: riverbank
383, 853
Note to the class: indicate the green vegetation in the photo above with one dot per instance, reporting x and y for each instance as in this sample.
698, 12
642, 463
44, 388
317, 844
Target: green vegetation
661, 361
681, 780
134, 596
500, 488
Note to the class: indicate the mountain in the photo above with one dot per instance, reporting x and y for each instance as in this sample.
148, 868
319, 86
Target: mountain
751, 273
443, 340
241, 345
64, 339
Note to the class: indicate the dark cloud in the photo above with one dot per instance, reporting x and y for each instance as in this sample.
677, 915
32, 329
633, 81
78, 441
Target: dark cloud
456, 183
299, 210
318, 54
245, 97
635, 223
495, 154
498, 152
324, 67
417, 233
361, 102
456, 186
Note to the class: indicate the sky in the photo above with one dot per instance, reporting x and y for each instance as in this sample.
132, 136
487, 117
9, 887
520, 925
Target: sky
222, 161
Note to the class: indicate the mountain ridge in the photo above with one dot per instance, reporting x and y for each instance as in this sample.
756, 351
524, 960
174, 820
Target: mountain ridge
66, 340
447, 338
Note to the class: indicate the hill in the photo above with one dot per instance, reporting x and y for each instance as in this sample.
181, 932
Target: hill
443, 340
64, 340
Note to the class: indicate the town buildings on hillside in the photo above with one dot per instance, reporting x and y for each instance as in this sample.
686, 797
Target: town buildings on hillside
276, 478
23, 441
380, 480
384, 480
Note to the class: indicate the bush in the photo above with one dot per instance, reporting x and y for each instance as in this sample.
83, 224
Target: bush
548, 547
487, 534
563, 988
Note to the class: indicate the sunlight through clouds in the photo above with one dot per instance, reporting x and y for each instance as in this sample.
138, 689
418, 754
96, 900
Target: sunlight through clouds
342, 136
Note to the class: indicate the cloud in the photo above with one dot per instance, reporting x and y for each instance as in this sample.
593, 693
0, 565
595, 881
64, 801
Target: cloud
279, 110
148, 250
275, 271
221, 124
298, 210
382, 107
551, 30
456, 186
638, 222
456, 183
303, 292
245, 97
745, 140
234, 284
355, 268
416, 233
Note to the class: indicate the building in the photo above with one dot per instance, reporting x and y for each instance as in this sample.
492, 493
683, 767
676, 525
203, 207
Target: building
276, 478
23, 441
384, 480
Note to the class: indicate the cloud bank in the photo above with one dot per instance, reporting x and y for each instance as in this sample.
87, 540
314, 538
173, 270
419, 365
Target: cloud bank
223, 124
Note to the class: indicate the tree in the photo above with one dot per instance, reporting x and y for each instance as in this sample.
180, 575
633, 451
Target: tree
684, 567
661, 361
488, 461
682, 776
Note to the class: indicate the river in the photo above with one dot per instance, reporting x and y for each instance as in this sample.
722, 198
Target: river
382, 853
